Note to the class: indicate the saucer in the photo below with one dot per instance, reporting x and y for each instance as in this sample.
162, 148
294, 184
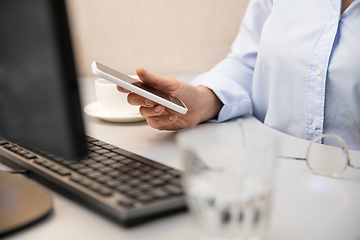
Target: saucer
95, 110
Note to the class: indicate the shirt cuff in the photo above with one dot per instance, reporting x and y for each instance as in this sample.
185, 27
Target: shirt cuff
235, 99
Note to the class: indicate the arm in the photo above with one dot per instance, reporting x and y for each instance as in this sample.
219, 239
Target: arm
231, 79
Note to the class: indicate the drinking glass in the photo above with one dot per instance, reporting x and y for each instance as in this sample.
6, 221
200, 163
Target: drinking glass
228, 183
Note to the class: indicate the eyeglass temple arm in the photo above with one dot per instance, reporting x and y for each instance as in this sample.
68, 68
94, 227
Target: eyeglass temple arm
353, 166
293, 158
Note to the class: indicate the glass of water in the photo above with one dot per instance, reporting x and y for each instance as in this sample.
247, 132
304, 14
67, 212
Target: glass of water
228, 182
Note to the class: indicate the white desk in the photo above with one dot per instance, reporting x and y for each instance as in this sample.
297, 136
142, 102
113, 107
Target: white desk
306, 205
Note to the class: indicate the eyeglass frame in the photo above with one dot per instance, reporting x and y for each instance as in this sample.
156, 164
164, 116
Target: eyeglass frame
344, 148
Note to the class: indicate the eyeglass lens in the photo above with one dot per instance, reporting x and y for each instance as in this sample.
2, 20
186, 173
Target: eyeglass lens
329, 158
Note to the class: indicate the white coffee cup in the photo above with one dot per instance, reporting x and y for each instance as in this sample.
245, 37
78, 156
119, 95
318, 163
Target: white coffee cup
113, 101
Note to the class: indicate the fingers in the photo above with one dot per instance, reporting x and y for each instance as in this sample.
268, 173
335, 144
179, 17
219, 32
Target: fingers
137, 100
166, 84
162, 122
152, 112
123, 90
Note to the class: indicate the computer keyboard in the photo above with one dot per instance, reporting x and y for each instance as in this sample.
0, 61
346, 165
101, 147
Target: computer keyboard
119, 183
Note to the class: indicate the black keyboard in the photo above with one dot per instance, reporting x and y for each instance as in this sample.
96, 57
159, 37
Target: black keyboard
119, 183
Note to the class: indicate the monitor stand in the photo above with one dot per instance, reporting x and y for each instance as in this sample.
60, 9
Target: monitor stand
21, 202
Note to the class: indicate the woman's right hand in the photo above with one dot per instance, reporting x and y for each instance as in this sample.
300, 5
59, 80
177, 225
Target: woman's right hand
201, 102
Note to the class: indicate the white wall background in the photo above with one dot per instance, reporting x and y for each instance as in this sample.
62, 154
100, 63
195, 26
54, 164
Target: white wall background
163, 36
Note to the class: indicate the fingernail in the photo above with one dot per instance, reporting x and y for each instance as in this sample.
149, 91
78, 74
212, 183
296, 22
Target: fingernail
148, 102
157, 109
171, 118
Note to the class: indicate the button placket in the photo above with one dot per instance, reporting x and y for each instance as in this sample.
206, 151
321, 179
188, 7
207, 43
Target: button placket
316, 82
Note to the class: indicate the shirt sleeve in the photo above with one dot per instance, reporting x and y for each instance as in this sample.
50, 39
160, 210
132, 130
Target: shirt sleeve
231, 79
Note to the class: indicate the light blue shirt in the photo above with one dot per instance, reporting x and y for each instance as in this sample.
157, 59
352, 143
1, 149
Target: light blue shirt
296, 64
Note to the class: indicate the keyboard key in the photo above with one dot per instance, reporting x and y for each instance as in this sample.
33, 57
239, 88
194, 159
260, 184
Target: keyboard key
95, 187
113, 174
99, 143
126, 203
134, 193
47, 164
166, 177
124, 188
109, 147
136, 173
68, 162
22, 152
116, 165
54, 168
94, 148
88, 161
85, 171
91, 139
146, 169
76, 166
15, 149
29, 156
39, 161
127, 161
156, 173
137, 165
174, 173
76, 178
134, 182
118, 158
146, 178
124, 178
93, 155
94, 175
173, 190
99, 158
105, 192
9, 145
105, 169
108, 162
126, 169
156, 182
102, 151
63, 172
110, 154
118, 150
85, 182
176, 182
103, 179
113, 183
96, 165
158, 193
144, 187
144, 198
58, 159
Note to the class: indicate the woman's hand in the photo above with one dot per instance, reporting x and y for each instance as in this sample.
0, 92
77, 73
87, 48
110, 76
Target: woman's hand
201, 102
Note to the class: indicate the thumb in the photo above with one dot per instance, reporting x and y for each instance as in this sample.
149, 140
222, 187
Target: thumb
166, 84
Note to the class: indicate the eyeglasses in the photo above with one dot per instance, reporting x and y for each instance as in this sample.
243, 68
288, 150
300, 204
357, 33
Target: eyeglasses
327, 154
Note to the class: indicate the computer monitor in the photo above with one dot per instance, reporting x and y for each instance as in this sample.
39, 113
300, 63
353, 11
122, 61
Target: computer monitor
39, 100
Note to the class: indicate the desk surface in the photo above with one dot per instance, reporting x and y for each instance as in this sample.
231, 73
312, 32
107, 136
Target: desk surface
306, 205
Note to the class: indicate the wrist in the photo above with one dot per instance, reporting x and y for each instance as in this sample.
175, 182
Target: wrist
211, 104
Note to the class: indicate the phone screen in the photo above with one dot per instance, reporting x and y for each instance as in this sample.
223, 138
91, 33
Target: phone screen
141, 85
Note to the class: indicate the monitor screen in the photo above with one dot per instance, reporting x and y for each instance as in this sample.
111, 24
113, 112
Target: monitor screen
39, 100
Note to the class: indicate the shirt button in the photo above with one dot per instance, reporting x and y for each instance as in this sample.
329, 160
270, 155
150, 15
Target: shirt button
318, 71
314, 125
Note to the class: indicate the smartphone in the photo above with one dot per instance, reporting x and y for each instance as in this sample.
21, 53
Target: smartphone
138, 87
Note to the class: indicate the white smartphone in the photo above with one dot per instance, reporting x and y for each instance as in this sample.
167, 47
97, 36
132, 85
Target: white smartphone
138, 87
